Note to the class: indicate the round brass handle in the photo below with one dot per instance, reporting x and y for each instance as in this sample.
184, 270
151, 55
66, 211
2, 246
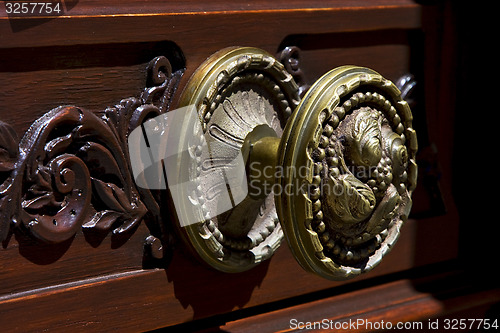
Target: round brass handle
337, 172
353, 135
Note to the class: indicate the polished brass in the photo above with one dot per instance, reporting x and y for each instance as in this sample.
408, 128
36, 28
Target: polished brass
237, 91
342, 171
353, 134
260, 151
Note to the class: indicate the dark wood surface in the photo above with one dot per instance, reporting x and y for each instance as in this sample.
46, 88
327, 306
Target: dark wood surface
96, 54
418, 304
184, 291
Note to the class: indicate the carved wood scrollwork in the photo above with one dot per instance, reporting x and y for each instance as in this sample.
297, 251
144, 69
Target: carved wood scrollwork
71, 169
290, 58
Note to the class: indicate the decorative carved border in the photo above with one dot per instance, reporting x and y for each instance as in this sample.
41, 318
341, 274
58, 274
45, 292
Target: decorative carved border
290, 58
71, 169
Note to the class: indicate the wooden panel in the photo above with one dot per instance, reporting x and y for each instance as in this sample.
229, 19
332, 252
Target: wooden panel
96, 54
187, 290
30, 265
89, 76
403, 305
386, 51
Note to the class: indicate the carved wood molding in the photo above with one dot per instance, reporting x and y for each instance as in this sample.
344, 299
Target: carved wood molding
71, 169
290, 58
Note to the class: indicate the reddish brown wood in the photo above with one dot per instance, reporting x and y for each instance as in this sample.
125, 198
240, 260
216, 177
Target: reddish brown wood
95, 56
418, 305
183, 292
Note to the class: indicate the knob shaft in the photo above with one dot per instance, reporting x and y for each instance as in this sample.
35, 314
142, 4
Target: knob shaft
337, 172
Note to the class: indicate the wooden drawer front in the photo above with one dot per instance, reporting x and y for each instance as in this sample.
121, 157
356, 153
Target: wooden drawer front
99, 57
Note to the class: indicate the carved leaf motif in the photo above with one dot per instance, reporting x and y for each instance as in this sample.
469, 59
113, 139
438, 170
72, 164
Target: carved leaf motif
40, 193
103, 220
74, 169
349, 200
8, 157
46, 199
367, 139
58, 188
111, 195
128, 210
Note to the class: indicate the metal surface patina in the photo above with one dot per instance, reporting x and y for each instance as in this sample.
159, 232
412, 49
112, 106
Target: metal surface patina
338, 172
234, 91
353, 134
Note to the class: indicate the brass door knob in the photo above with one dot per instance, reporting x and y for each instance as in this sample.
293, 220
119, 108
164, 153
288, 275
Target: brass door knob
333, 172
353, 135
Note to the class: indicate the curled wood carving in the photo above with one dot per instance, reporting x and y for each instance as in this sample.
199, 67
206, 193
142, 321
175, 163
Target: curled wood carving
290, 58
71, 169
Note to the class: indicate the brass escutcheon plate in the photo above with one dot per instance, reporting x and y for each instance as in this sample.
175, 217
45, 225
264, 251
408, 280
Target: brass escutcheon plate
353, 135
342, 173
234, 91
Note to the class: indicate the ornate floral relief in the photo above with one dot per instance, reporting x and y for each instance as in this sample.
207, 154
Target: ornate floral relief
71, 169
235, 91
365, 158
290, 58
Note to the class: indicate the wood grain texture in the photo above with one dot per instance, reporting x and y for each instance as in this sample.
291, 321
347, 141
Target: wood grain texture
414, 302
138, 300
95, 55
110, 7
207, 28
73, 79
29, 265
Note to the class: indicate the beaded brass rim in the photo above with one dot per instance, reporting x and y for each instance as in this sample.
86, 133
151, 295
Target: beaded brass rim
236, 81
351, 119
